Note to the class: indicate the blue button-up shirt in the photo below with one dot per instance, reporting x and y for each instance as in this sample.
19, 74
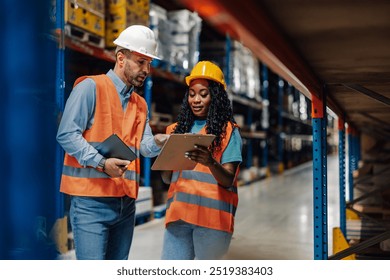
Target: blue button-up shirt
79, 115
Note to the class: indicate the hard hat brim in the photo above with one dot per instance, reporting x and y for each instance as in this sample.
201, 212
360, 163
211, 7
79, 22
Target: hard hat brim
190, 78
133, 50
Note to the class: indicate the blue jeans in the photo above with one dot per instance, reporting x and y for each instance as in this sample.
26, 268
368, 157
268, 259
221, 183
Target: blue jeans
183, 241
102, 227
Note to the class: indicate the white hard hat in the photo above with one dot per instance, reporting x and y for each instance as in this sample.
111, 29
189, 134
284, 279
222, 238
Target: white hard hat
140, 39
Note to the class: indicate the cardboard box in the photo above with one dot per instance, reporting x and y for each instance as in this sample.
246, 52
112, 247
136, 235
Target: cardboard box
84, 17
122, 13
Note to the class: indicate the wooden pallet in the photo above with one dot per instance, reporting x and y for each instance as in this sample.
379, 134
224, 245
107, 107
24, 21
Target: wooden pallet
84, 36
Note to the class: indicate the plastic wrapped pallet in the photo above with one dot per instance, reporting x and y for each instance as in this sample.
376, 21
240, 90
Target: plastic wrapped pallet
243, 70
251, 73
162, 28
186, 27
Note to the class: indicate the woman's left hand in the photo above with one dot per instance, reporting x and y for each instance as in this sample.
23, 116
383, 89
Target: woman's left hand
224, 173
202, 155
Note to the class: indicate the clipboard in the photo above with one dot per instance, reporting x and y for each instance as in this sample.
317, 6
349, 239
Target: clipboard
172, 156
114, 147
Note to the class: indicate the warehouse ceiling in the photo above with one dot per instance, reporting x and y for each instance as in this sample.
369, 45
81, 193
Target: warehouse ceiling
338, 48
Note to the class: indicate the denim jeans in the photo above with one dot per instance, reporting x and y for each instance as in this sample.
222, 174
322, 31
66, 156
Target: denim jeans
183, 241
102, 227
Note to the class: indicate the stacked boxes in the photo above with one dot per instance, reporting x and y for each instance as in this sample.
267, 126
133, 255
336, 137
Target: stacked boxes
137, 12
123, 13
177, 31
178, 36
115, 20
87, 15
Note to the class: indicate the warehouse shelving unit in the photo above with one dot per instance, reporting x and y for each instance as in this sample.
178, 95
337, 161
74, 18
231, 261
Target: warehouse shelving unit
296, 40
262, 142
300, 42
262, 139
168, 81
290, 128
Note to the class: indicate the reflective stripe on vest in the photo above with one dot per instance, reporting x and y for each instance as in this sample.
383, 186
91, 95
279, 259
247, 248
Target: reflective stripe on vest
109, 118
202, 201
200, 177
195, 197
93, 173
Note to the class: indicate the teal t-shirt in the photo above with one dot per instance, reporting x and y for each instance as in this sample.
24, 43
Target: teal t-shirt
232, 152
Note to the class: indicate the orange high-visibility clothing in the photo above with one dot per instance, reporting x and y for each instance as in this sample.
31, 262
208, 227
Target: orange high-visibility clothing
195, 197
109, 118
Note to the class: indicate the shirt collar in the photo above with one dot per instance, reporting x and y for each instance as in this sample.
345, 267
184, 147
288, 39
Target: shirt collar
119, 84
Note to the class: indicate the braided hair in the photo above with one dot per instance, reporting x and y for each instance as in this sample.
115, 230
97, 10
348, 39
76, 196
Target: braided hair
219, 114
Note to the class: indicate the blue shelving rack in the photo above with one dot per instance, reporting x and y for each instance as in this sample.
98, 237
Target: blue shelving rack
265, 89
343, 221
320, 178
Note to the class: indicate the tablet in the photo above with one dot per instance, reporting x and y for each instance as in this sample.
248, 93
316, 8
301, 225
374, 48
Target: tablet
172, 153
114, 147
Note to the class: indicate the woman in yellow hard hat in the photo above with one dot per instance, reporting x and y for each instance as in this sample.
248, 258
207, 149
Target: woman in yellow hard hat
202, 202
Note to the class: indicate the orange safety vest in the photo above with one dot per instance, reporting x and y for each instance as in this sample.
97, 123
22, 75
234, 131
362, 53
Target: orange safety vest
195, 197
109, 118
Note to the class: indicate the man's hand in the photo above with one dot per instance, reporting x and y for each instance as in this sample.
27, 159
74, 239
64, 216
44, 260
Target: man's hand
115, 167
160, 139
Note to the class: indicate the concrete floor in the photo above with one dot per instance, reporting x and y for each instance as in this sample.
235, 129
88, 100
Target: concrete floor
274, 219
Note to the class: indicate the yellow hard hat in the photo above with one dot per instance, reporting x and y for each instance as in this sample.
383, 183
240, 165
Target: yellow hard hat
206, 70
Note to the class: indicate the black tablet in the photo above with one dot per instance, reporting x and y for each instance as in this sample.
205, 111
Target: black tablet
114, 147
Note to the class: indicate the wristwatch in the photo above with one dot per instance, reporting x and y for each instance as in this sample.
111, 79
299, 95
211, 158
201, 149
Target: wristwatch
100, 166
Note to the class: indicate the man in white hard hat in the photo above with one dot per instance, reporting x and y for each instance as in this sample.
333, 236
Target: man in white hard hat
103, 190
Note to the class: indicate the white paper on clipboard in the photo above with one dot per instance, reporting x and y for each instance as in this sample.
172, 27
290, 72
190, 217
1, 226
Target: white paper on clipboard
172, 153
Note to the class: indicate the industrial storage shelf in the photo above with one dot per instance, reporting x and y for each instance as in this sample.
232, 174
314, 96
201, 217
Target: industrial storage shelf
298, 136
254, 134
89, 49
109, 55
294, 118
170, 79
258, 105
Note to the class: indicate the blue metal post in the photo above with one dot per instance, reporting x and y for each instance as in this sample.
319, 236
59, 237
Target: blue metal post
147, 161
352, 163
343, 222
58, 12
30, 106
319, 179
